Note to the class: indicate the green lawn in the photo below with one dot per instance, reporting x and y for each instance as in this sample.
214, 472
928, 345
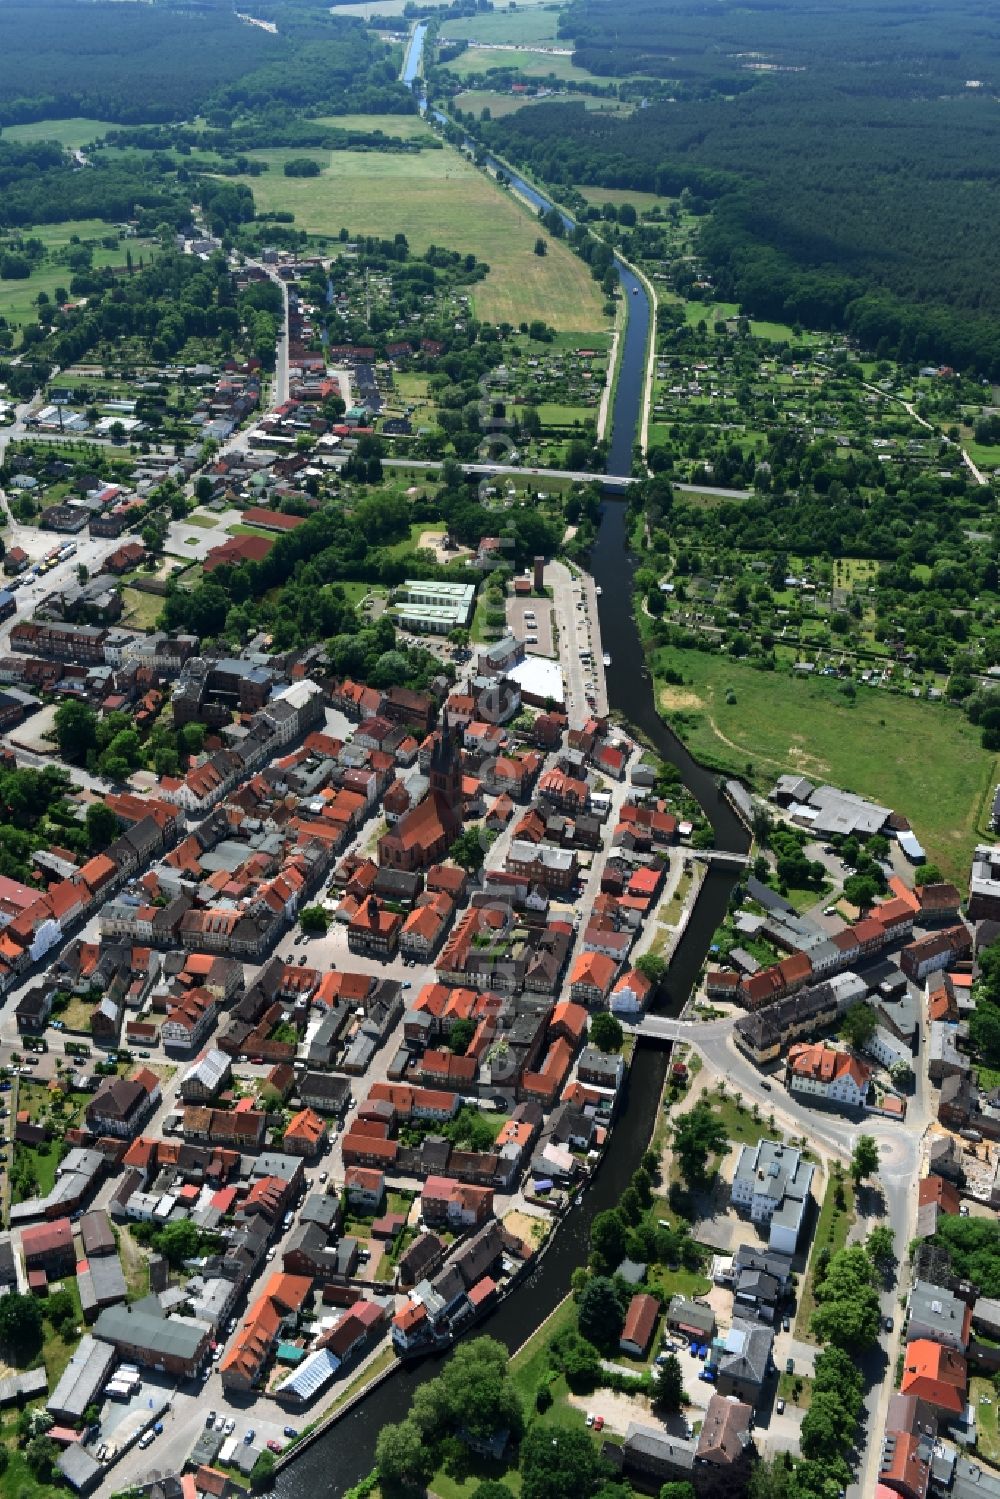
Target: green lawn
418, 528
664, 1282
987, 1431
984, 457
922, 759
552, 414
142, 610
796, 1390
19, 1478
44, 1164
743, 1125
239, 529
56, 1351
358, 591
530, 1362
364, 10
438, 197
528, 1369
832, 1227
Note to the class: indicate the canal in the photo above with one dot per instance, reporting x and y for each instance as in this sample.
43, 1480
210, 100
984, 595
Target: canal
413, 54
346, 1454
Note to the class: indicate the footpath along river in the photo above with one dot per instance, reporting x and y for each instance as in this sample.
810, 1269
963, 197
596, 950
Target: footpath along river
346, 1453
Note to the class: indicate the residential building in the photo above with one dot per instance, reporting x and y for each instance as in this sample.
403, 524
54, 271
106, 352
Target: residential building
821, 1072
725, 1452
935, 1374
938, 1315
591, 978
640, 1323
743, 1360
772, 1184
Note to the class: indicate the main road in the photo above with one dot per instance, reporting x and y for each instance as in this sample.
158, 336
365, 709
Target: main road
617, 483
833, 1136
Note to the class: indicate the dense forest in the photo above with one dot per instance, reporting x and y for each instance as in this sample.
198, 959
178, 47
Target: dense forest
141, 63
852, 168
39, 185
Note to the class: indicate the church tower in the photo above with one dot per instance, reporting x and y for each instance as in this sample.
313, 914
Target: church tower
446, 768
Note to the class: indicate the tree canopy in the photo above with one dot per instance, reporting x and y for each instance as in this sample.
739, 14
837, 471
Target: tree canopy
698, 1134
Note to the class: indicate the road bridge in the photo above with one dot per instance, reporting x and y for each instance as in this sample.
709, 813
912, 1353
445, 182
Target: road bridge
726, 858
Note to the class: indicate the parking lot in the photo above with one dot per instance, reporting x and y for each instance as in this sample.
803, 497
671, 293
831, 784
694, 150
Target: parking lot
530, 620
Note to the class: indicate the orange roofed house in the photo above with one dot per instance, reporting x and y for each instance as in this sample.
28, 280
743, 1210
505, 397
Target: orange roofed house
306, 1134
283, 1298
591, 979
936, 1374
374, 929
834, 1077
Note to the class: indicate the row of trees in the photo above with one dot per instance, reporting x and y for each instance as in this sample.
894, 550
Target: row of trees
471, 1398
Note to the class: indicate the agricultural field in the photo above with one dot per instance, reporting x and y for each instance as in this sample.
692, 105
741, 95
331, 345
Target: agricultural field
477, 61
437, 197
366, 10
736, 717
404, 127
524, 28
73, 133
642, 202
501, 104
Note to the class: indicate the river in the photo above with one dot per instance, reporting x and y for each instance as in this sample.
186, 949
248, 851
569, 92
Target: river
414, 53
346, 1454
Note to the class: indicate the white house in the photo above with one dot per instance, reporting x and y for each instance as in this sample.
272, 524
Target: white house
834, 1077
886, 1050
630, 995
772, 1186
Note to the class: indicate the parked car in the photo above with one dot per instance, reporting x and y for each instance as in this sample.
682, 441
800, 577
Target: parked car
229, 1427
274, 1446
290, 1431
888, 1324
780, 1406
210, 1420
249, 1435
789, 1366
786, 1325
590, 1418
599, 1423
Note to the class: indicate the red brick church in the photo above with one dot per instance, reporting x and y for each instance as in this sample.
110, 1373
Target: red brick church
423, 835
